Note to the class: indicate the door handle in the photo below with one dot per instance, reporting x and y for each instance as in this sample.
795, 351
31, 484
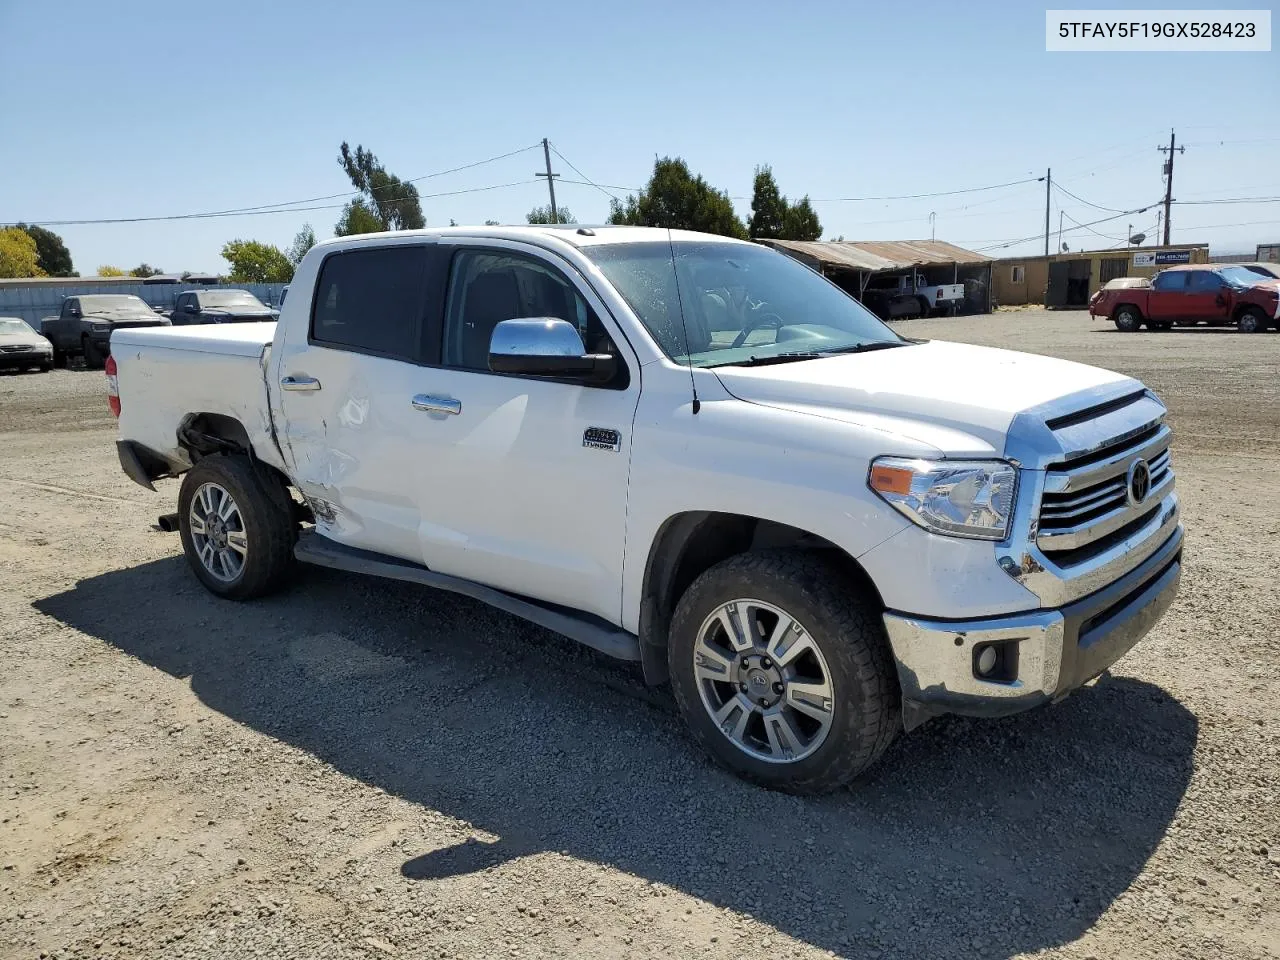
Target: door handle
430, 404
299, 383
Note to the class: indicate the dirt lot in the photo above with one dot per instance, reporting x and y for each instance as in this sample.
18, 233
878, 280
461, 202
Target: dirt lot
363, 769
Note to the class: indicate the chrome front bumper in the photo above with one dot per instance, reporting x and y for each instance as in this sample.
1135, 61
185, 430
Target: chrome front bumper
1044, 655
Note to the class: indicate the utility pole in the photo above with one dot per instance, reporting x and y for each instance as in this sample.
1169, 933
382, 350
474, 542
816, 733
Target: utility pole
1059, 250
933, 221
1168, 190
1048, 182
551, 180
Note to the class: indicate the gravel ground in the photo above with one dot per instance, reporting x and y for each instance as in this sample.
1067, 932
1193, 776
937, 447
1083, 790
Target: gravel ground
357, 768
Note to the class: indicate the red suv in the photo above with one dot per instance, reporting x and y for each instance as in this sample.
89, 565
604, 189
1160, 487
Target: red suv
1194, 294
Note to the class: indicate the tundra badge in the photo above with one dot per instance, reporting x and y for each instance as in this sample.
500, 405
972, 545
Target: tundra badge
601, 438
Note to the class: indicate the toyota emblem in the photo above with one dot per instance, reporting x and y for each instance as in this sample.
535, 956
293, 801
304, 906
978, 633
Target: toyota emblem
1139, 482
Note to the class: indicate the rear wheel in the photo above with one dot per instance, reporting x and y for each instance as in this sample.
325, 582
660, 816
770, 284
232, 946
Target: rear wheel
237, 525
59, 359
1128, 319
782, 674
1252, 320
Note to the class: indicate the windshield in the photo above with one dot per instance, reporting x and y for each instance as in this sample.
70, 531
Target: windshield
12, 326
122, 304
1241, 276
738, 302
230, 298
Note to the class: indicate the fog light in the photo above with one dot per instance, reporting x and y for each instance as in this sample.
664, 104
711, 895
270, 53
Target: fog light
987, 660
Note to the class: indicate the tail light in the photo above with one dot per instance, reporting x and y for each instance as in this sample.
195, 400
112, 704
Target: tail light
113, 386
939, 293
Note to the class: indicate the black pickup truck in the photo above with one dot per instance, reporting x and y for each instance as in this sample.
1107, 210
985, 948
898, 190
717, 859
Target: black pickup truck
84, 326
220, 306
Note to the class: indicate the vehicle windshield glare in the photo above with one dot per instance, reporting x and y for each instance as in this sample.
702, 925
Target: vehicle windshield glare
231, 298
712, 304
119, 303
12, 325
1241, 276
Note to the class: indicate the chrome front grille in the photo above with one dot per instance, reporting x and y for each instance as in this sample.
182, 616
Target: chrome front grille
1089, 502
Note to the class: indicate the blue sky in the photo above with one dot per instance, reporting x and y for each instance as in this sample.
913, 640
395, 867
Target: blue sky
131, 109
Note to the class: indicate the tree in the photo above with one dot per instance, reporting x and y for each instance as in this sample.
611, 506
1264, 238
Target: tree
768, 207
19, 256
357, 218
255, 262
773, 217
491, 223
675, 198
144, 270
53, 255
392, 202
302, 242
106, 270
543, 215
801, 221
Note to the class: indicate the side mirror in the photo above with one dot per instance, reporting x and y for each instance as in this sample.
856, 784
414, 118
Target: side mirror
188, 308
546, 347
75, 312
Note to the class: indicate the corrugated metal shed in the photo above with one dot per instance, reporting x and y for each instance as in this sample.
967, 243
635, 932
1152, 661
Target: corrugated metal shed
876, 255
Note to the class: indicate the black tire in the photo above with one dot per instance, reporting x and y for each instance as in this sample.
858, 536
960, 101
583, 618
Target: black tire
94, 359
59, 359
267, 512
1252, 320
851, 636
925, 309
1128, 319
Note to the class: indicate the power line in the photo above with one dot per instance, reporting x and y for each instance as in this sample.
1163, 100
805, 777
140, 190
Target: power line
1096, 206
1228, 200
585, 178
1084, 226
259, 213
292, 204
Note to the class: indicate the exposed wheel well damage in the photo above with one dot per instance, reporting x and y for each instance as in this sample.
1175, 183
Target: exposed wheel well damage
205, 434
690, 543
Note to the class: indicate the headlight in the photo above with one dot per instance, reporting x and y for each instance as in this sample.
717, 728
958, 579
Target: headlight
958, 498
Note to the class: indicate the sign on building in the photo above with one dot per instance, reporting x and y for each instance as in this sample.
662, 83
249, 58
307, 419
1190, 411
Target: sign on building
1161, 258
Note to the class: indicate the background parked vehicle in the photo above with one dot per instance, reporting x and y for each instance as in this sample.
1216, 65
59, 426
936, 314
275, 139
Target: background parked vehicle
84, 326
22, 348
909, 295
220, 306
1188, 295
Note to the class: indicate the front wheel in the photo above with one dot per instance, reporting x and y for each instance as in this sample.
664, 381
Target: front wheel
1128, 319
783, 675
1252, 320
94, 359
237, 525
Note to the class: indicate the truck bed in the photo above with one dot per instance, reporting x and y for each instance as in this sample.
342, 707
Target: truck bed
168, 373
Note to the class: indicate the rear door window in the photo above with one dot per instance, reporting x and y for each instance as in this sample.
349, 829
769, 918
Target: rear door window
372, 301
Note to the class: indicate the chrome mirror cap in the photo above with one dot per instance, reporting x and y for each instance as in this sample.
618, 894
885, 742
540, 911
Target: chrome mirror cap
536, 337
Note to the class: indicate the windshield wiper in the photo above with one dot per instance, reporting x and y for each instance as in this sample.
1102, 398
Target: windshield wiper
775, 358
868, 347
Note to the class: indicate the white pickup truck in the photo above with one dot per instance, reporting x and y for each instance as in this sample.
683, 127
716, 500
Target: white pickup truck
681, 450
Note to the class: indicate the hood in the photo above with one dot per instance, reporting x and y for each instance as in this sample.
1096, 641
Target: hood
964, 389
22, 339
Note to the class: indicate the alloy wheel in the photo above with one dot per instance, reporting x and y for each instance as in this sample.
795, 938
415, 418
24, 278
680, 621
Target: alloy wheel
218, 533
764, 681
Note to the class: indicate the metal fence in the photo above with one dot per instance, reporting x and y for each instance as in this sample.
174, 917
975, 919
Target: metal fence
38, 301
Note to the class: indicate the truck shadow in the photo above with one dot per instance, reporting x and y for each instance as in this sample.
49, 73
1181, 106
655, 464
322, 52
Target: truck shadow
1002, 836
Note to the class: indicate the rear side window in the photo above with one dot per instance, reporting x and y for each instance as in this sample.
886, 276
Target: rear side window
1171, 280
371, 301
1203, 281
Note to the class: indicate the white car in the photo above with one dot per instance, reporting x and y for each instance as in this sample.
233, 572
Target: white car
682, 450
